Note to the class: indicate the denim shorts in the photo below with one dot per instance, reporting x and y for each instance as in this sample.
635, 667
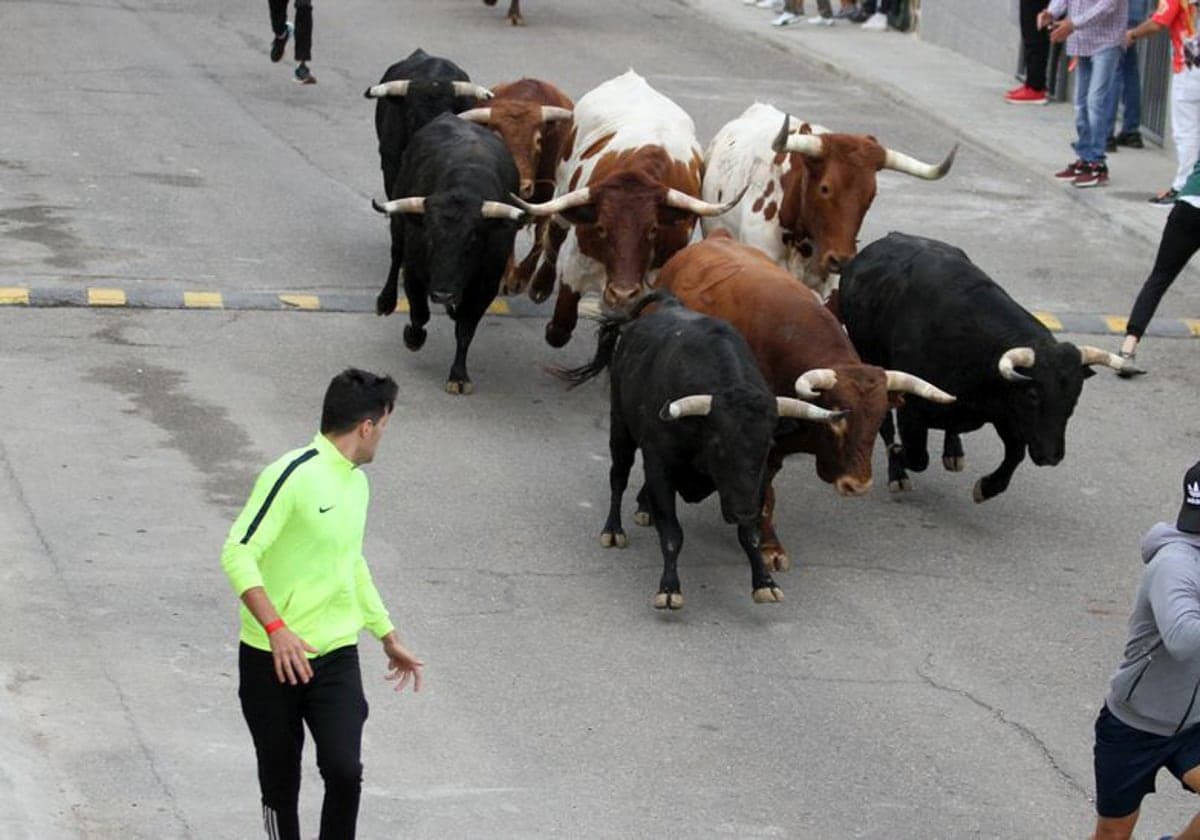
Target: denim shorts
1127, 760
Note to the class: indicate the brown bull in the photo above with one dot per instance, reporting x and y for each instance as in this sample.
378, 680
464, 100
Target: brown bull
801, 350
533, 118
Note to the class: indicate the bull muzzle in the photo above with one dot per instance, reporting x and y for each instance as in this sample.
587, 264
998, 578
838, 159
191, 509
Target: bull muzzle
622, 297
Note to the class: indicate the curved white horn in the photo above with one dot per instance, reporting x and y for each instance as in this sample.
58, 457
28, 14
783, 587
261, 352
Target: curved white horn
471, 89
911, 166
556, 205
551, 113
898, 380
800, 410
697, 405
1014, 358
476, 115
812, 381
1095, 356
683, 201
810, 145
412, 204
500, 210
396, 88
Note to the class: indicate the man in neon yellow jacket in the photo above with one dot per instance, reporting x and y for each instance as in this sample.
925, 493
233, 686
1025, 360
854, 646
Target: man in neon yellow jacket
294, 558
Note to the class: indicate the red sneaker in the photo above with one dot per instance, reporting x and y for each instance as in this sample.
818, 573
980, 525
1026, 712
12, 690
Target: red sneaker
1071, 169
1026, 96
1092, 175
1015, 90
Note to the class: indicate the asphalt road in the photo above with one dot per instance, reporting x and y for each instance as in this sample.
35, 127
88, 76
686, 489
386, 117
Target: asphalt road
936, 666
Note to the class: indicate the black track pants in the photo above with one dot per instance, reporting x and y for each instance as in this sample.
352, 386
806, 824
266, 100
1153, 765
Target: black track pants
333, 706
304, 25
1180, 240
1035, 42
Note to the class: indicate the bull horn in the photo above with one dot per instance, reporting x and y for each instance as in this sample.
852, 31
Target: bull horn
697, 405
911, 166
396, 88
477, 115
801, 410
471, 89
578, 198
1096, 356
683, 201
500, 210
813, 381
806, 144
551, 113
1014, 358
412, 204
898, 380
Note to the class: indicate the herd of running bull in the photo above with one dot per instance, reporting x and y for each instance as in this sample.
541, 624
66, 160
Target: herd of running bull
770, 336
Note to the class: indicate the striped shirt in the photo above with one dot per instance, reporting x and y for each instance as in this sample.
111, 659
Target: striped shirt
1099, 24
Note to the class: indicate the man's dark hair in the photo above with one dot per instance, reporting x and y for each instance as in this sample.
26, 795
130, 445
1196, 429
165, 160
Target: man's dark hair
354, 396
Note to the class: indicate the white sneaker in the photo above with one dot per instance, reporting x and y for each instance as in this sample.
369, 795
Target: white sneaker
784, 19
876, 22
820, 21
773, 5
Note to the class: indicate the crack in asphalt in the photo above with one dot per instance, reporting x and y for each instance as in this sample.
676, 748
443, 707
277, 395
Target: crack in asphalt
1024, 731
143, 747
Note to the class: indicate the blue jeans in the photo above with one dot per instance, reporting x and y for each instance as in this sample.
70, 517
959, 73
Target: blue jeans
1128, 87
1094, 83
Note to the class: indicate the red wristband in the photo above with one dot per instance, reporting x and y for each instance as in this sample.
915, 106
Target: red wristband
277, 624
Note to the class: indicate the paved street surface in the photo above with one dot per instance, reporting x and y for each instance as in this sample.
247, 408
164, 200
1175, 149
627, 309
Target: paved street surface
934, 671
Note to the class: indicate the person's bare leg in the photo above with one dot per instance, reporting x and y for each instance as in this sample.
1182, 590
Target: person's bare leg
1115, 828
1192, 779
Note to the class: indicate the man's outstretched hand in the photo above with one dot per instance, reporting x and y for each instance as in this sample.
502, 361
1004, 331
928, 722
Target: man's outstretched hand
403, 665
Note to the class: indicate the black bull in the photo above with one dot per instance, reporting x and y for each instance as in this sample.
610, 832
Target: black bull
428, 86
922, 306
687, 391
452, 231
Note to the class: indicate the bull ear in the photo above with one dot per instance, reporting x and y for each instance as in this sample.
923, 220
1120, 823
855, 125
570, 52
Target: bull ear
584, 214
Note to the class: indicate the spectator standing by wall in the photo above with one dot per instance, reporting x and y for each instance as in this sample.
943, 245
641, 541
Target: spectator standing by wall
1127, 90
1094, 32
1179, 18
1035, 44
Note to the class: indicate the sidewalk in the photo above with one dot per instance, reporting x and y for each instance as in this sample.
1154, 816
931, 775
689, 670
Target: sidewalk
967, 98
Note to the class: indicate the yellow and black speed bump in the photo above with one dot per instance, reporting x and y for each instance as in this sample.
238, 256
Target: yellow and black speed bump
97, 297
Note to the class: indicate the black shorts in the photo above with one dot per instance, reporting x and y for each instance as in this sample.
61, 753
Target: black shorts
1127, 760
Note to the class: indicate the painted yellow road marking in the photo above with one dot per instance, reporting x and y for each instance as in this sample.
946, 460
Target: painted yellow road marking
301, 301
498, 307
1115, 324
106, 297
401, 305
203, 300
1193, 324
13, 296
1049, 321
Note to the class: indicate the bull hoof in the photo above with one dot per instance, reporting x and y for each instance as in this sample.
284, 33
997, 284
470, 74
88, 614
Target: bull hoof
556, 336
610, 539
901, 486
642, 518
459, 386
978, 494
768, 595
516, 20
414, 337
775, 558
385, 304
954, 463
538, 293
668, 601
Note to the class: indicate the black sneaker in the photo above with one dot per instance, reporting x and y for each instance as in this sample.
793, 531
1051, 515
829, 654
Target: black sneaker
1132, 139
304, 76
280, 42
1165, 198
1110, 145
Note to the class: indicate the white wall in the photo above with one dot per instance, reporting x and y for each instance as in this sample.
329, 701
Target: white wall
985, 30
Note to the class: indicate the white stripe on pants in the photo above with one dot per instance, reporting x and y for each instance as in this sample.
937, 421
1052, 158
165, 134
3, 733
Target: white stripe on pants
1185, 122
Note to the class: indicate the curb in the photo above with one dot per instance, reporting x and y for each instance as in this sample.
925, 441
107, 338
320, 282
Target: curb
1081, 323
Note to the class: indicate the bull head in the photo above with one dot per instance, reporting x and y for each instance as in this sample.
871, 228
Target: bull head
520, 124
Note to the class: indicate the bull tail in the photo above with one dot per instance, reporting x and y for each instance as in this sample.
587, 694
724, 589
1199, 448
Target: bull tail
606, 339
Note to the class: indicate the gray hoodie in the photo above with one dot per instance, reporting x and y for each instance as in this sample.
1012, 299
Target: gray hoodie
1155, 688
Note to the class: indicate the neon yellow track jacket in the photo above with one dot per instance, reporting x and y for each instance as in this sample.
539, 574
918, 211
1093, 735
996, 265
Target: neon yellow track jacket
300, 537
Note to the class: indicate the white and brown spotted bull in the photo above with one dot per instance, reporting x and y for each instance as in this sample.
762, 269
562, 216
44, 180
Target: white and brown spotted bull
627, 190
809, 188
533, 117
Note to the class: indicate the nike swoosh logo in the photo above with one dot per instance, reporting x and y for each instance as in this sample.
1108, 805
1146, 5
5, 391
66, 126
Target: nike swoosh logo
324, 509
